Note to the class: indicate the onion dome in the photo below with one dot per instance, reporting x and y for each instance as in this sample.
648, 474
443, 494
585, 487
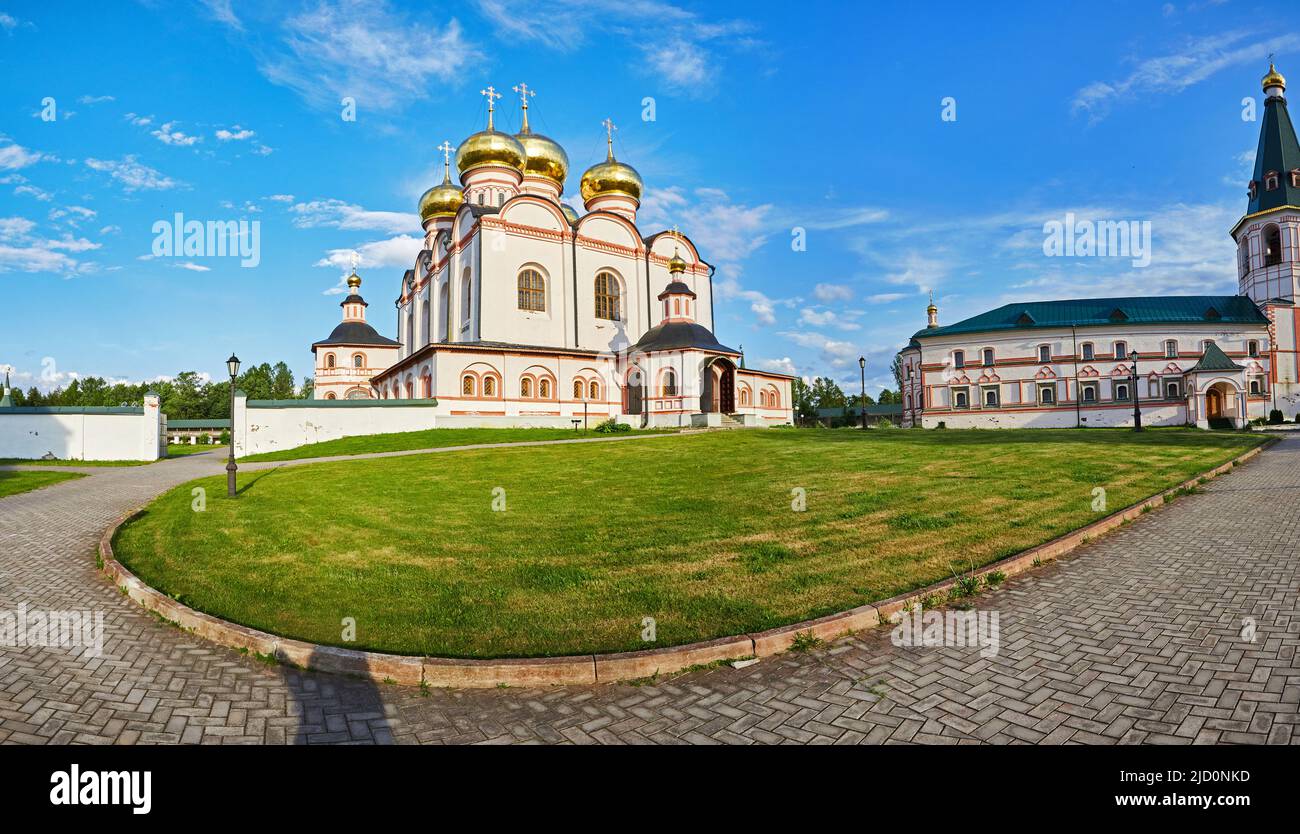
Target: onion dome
543, 156
611, 177
1274, 78
676, 264
490, 147
569, 212
354, 280
441, 201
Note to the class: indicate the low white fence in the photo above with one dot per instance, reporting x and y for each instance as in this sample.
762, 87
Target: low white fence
90, 433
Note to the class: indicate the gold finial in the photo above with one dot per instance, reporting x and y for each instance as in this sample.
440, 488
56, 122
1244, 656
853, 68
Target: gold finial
676, 264
522, 89
1274, 78
491, 94
610, 127
932, 308
446, 149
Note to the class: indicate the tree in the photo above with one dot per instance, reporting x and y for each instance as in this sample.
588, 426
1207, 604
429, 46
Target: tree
804, 409
308, 388
888, 397
896, 367
282, 387
827, 394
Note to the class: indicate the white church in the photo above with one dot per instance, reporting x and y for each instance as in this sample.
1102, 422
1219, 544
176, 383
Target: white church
521, 311
1207, 361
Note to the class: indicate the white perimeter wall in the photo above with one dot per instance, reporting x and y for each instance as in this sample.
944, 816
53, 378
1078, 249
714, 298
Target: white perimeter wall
70, 435
258, 430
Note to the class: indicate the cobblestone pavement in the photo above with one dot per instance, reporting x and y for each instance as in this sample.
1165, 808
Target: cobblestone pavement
1140, 637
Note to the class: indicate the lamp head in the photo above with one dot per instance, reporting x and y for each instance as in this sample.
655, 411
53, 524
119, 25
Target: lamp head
232, 365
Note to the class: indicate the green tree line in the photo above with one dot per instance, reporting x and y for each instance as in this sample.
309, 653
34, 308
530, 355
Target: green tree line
185, 397
826, 393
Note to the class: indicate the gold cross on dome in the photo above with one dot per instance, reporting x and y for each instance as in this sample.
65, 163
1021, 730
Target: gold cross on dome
610, 127
491, 94
445, 147
354, 258
522, 89
676, 237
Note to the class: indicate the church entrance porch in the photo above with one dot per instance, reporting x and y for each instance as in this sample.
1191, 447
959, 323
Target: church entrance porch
1221, 405
719, 395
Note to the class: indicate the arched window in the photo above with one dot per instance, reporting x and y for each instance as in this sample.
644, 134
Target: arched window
774, 398
526, 388
988, 356
1087, 351
1270, 181
577, 389
959, 358
532, 291
329, 396
467, 385
670, 383
544, 389
907, 400
466, 303
594, 391
1245, 257
358, 360
489, 386
960, 400
607, 306
1171, 349
1252, 347
444, 311
1121, 350
1044, 353
1272, 246
744, 396
329, 360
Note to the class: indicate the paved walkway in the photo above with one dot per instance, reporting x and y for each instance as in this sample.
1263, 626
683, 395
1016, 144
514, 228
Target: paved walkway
1136, 638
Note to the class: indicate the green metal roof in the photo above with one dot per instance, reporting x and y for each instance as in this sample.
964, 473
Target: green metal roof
1214, 360
1093, 312
1278, 151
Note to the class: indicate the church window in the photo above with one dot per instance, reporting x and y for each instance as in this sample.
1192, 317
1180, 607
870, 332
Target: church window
908, 400
532, 291
358, 360
959, 358
1272, 246
466, 303
329, 360
744, 396
1047, 394
1252, 189
960, 399
1254, 385
544, 389
991, 397
1252, 347
1121, 391
444, 310
489, 386
1245, 257
774, 398
501, 198
607, 297
577, 389
988, 356
1171, 349
329, 396
480, 198
1295, 178
1044, 353
526, 388
1171, 390
467, 385
593, 391
1087, 351
1270, 181
1121, 350
1089, 393
670, 383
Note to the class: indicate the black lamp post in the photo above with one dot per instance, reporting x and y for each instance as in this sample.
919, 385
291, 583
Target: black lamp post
862, 404
1137, 409
232, 365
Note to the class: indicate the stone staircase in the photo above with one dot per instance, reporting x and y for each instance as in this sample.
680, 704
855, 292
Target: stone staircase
730, 422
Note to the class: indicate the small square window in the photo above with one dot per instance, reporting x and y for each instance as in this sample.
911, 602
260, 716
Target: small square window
1121, 350
1087, 351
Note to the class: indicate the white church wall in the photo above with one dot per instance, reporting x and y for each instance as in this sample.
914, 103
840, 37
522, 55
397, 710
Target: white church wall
83, 433
257, 429
502, 320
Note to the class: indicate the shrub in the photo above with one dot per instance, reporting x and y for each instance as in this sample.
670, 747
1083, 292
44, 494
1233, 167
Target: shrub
613, 426
225, 437
1297, 416
884, 423
1275, 416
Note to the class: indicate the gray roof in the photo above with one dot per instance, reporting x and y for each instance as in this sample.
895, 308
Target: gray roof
355, 333
677, 335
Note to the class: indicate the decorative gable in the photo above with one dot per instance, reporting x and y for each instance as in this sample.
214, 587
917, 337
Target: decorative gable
1025, 320
1213, 314
1118, 315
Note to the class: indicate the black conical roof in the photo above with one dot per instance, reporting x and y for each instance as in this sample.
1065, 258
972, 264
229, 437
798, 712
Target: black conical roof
1278, 151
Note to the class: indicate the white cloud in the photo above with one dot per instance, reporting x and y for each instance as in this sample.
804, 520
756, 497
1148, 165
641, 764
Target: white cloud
192, 267
221, 11
341, 215
14, 156
1196, 61
886, 297
95, 99
32, 191
365, 50
281, 198
836, 352
396, 251
133, 175
832, 292
8, 22
234, 134
814, 317
782, 366
22, 251
168, 135
138, 121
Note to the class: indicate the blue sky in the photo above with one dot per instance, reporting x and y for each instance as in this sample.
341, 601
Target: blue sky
826, 117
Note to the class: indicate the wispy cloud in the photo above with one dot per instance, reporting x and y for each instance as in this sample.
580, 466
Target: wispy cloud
1197, 60
338, 214
132, 174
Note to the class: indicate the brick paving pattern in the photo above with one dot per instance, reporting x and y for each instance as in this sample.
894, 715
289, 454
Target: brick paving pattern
1137, 638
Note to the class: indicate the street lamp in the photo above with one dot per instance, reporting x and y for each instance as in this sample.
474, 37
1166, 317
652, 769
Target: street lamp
232, 365
1137, 410
862, 404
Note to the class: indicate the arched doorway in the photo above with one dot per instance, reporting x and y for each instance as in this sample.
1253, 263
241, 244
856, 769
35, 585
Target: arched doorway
1213, 403
719, 394
633, 392
1222, 406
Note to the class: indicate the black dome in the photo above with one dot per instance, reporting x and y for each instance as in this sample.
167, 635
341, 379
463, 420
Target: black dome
356, 333
676, 335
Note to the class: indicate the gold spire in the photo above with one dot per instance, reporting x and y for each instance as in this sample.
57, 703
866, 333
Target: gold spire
932, 308
354, 280
522, 89
611, 176
1274, 78
676, 264
491, 93
610, 127
446, 149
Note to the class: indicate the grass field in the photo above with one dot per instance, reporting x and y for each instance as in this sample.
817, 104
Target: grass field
429, 439
60, 462
180, 450
695, 531
12, 483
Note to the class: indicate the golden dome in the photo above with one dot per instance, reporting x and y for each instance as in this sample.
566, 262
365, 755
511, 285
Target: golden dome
543, 157
676, 264
611, 177
490, 147
1274, 78
441, 200
354, 280
569, 212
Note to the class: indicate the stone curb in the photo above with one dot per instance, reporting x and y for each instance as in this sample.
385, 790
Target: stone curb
589, 669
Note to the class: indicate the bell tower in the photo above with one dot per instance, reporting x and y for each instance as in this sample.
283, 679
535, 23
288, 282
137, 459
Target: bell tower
1268, 236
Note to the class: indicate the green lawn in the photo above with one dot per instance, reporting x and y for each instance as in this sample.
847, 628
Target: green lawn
428, 439
177, 450
12, 483
696, 531
72, 462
